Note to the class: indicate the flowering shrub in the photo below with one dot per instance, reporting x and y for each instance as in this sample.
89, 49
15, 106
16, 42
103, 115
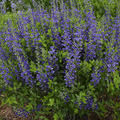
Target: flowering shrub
65, 65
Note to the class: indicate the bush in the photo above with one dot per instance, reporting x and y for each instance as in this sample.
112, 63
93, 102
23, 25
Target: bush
65, 63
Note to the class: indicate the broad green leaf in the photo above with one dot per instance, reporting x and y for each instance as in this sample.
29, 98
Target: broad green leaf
76, 111
51, 102
55, 116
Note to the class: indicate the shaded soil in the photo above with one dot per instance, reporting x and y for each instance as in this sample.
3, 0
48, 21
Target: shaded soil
7, 113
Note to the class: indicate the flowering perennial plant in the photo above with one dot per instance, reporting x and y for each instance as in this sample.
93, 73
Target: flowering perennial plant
50, 52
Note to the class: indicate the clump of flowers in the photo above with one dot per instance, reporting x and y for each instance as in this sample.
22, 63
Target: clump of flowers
39, 51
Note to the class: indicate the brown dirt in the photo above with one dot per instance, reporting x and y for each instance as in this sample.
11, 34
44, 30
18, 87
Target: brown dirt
7, 113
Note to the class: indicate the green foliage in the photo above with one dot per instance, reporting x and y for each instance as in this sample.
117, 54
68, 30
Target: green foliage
8, 6
99, 6
113, 86
84, 72
4, 18
55, 116
116, 78
33, 67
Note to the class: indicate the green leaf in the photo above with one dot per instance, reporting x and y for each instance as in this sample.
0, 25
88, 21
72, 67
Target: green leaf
17, 86
111, 86
44, 53
10, 88
23, 42
64, 54
11, 100
33, 67
38, 83
43, 118
3, 102
55, 116
51, 102
49, 32
50, 83
29, 107
76, 111
116, 79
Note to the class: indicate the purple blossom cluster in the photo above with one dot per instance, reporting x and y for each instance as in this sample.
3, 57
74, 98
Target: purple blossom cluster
21, 113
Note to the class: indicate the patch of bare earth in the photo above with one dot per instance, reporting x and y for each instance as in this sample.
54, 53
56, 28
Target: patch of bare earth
7, 113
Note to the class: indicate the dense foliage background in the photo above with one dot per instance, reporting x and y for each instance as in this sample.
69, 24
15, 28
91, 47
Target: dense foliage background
61, 58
